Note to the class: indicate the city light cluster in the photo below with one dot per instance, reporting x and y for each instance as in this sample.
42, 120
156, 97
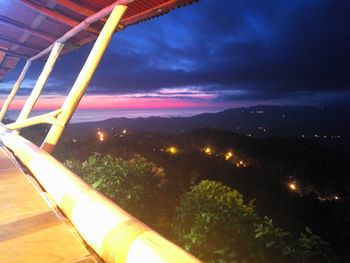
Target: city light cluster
292, 186
228, 156
101, 136
241, 163
208, 150
172, 150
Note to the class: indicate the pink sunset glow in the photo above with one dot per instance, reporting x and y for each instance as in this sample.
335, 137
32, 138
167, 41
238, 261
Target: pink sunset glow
117, 102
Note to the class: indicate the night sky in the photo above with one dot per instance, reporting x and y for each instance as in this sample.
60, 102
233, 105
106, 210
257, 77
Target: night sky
215, 55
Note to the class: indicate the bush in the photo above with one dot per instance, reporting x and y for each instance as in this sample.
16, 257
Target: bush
132, 184
214, 223
281, 246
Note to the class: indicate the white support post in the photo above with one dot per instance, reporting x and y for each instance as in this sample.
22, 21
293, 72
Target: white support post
84, 77
33, 97
14, 90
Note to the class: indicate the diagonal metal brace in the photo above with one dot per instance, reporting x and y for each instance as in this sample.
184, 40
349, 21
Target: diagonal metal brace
49, 118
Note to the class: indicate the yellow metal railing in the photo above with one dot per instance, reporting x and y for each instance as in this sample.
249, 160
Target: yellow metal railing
59, 118
115, 235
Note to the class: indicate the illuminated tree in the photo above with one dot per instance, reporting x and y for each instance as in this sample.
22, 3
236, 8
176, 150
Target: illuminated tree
215, 223
133, 184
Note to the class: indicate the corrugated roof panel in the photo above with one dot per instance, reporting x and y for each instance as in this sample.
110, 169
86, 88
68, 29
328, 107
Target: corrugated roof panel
70, 13
44, 21
51, 25
2, 56
5, 44
34, 40
9, 62
17, 12
9, 32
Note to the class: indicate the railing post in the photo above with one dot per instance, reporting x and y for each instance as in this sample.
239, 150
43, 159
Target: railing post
84, 77
14, 90
33, 97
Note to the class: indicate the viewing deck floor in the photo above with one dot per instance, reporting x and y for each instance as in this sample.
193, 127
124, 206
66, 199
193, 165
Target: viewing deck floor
32, 229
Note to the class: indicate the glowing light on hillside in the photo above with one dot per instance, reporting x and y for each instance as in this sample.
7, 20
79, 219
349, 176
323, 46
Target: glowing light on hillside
292, 186
100, 136
228, 155
172, 150
124, 131
208, 150
241, 163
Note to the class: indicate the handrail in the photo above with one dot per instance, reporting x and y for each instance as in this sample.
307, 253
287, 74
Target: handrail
115, 11
115, 235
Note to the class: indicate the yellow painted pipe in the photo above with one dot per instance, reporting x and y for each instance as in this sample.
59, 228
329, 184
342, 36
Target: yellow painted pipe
115, 235
50, 118
84, 77
14, 91
33, 97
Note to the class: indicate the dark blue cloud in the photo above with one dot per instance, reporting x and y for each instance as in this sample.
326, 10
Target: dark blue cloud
243, 50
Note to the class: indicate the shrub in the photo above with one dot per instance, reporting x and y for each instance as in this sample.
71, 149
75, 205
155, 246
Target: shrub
281, 246
133, 184
215, 223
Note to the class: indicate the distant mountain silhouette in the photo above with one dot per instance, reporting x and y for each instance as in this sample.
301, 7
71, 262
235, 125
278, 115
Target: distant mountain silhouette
258, 121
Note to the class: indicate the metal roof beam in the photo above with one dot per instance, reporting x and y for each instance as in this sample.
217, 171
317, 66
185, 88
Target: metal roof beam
78, 8
57, 16
13, 53
6, 68
26, 29
158, 10
14, 42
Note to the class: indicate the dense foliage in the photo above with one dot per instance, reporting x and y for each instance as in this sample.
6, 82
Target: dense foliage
211, 220
320, 168
133, 184
280, 246
214, 223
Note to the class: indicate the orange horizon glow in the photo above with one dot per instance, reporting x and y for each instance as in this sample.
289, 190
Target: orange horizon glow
91, 102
